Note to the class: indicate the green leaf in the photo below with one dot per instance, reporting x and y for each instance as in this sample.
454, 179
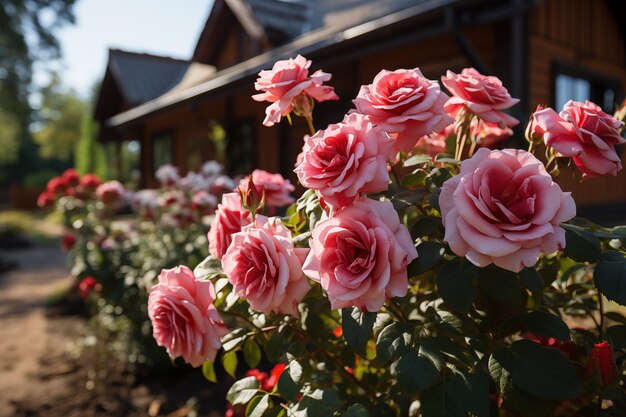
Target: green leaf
544, 324
502, 285
407, 198
319, 403
455, 284
430, 254
357, 328
252, 353
289, 383
610, 276
457, 395
540, 371
243, 390
415, 178
356, 410
234, 339
425, 226
274, 347
580, 244
418, 369
208, 370
532, 280
438, 176
393, 341
258, 405
229, 362
417, 160
617, 336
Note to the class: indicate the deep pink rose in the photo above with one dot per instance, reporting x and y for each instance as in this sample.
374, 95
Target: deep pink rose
110, 192
504, 208
483, 95
360, 255
56, 186
45, 199
87, 285
584, 133
277, 189
435, 143
405, 104
90, 181
345, 160
229, 218
71, 177
184, 319
489, 135
287, 81
265, 268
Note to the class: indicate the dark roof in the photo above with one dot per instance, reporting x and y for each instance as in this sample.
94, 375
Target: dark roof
143, 77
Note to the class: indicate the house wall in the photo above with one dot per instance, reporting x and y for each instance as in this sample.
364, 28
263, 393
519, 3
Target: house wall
583, 34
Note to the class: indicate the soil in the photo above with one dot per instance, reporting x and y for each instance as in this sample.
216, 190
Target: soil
42, 374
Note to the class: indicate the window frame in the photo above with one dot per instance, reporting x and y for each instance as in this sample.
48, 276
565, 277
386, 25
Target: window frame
598, 83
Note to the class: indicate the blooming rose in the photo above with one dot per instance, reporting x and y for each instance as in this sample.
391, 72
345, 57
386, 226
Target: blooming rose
484, 96
87, 284
211, 168
110, 192
504, 208
90, 181
229, 218
167, 174
601, 361
45, 199
287, 81
203, 201
584, 133
345, 160
405, 104
489, 135
71, 177
68, 242
183, 316
267, 382
276, 188
265, 268
56, 186
360, 255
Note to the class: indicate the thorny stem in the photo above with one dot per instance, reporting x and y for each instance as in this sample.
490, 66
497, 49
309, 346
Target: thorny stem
241, 316
462, 133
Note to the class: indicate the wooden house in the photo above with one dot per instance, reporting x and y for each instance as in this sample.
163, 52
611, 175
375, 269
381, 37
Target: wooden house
185, 112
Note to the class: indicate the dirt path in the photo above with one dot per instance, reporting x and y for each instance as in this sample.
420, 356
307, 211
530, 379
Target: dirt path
24, 335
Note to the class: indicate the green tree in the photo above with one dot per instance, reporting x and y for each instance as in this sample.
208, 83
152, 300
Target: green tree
90, 154
26, 35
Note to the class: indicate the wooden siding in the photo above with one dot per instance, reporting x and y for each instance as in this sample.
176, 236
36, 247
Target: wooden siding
582, 34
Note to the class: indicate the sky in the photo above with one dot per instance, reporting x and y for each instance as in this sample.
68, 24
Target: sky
163, 27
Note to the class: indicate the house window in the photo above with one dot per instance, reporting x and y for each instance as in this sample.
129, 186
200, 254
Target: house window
162, 150
576, 84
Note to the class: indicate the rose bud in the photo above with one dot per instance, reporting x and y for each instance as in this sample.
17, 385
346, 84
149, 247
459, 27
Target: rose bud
71, 177
532, 133
251, 198
601, 368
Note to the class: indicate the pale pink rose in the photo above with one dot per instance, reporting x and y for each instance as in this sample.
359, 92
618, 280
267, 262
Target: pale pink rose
405, 104
110, 192
584, 133
229, 218
435, 143
204, 202
265, 268
167, 174
287, 81
277, 189
489, 135
346, 160
184, 319
504, 208
483, 95
360, 255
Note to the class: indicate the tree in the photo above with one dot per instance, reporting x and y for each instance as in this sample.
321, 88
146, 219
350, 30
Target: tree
90, 154
26, 35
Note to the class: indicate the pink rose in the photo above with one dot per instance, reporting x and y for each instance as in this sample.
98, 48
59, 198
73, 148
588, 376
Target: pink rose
504, 208
288, 81
167, 174
277, 189
484, 96
110, 192
229, 218
489, 135
45, 199
360, 255
345, 160
184, 319
584, 133
265, 268
405, 104
435, 143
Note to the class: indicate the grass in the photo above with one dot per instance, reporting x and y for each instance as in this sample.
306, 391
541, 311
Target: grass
42, 228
